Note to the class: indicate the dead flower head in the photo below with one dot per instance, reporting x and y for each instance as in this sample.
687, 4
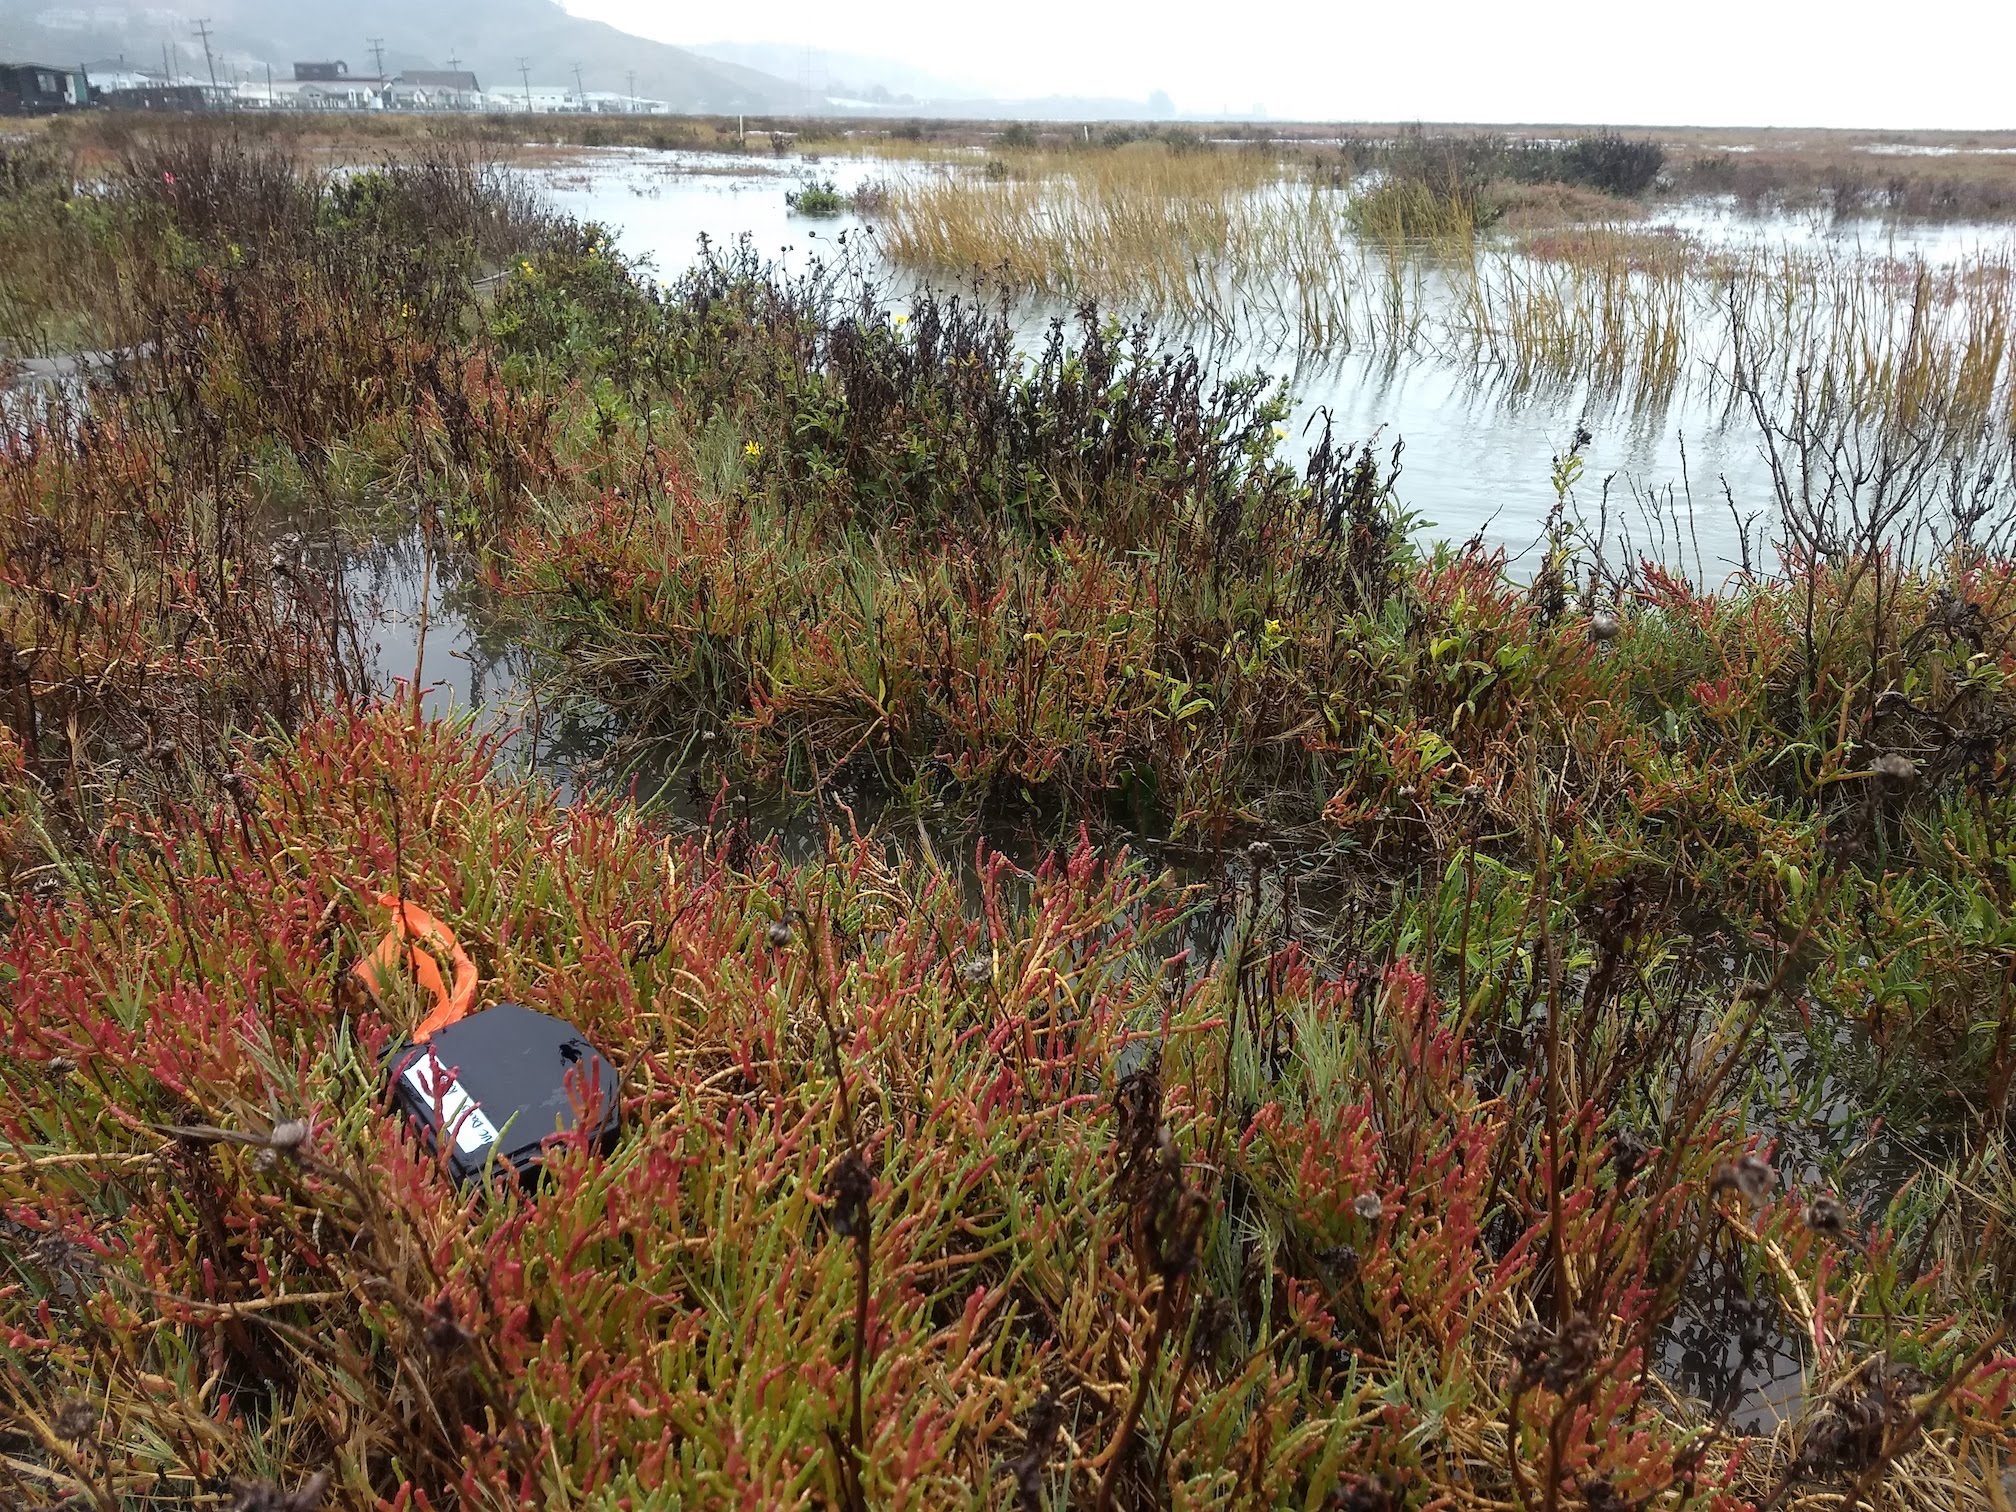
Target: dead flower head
1854, 1425
1556, 1361
1342, 1259
1749, 1175
259, 1496
445, 1333
1137, 1104
1045, 1418
1894, 770
76, 1421
1360, 1493
1628, 1154
849, 1189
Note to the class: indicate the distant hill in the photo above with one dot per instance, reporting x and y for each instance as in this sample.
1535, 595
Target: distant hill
856, 83
488, 36
841, 75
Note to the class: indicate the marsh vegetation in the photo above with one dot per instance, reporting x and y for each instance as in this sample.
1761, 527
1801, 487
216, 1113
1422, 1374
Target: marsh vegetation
1255, 1005
1401, 260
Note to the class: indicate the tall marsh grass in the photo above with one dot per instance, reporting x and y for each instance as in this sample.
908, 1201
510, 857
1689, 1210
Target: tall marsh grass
1145, 222
1401, 264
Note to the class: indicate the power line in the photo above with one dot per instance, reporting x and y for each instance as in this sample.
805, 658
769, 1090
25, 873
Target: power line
202, 29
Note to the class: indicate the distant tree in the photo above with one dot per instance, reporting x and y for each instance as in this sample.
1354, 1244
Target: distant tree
1160, 106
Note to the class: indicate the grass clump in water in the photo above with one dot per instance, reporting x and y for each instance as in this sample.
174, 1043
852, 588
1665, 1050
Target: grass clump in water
818, 199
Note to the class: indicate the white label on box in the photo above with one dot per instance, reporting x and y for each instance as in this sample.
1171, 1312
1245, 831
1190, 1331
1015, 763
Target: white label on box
474, 1132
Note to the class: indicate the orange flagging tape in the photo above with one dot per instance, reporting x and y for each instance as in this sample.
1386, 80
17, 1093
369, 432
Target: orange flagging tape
415, 929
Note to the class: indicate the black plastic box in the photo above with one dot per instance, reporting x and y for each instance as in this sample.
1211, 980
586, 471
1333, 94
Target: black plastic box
504, 1081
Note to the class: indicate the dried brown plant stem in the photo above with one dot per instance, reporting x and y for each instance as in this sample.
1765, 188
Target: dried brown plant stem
1123, 1437
855, 1217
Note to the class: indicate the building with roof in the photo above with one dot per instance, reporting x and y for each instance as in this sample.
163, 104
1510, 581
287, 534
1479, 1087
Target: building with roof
545, 99
41, 88
160, 94
434, 89
608, 102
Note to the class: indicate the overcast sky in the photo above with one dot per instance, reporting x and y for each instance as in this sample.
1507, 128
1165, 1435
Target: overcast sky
1927, 63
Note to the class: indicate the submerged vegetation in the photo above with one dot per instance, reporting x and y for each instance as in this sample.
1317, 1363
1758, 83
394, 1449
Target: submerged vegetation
1398, 261
1457, 183
1444, 1038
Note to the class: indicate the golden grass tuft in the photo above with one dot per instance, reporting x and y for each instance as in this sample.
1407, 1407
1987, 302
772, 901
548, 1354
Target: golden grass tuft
1222, 240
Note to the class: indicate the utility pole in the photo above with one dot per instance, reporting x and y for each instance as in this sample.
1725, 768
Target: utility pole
525, 75
630, 100
203, 31
166, 76
377, 45
580, 89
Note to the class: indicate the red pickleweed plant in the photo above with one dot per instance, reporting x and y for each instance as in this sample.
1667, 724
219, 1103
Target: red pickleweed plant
1357, 1251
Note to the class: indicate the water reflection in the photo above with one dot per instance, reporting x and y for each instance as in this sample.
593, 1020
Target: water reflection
1480, 440
425, 621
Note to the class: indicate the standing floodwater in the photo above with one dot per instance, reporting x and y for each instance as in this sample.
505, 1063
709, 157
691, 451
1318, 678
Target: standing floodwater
1482, 362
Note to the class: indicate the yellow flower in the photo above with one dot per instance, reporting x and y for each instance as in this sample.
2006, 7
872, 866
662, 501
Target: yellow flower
1280, 433
902, 321
751, 450
524, 267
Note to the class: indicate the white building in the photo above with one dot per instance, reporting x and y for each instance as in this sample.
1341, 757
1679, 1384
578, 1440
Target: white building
434, 89
608, 102
130, 78
541, 99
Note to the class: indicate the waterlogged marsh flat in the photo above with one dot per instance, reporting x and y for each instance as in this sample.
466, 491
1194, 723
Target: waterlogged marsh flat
1541, 983
1480, 433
